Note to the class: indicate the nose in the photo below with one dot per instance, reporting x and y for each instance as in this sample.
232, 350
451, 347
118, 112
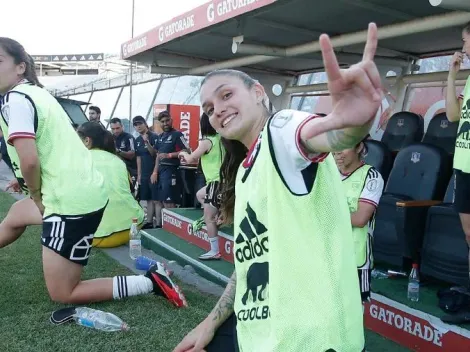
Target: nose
219, 109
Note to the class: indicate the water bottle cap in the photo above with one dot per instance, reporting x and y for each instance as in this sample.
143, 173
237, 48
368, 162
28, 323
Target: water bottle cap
134, 220
415, 266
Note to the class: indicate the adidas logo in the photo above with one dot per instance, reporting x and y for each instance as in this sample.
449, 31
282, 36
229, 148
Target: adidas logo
250, 230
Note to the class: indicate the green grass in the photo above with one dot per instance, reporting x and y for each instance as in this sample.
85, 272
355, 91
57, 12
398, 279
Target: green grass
25, 306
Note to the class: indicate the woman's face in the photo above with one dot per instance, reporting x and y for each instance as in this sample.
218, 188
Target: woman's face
10, 73
232, 107
347, 157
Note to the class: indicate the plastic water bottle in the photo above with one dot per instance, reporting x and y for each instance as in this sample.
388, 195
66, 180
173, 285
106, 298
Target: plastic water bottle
413, 284
135, 243
379, 274
144, 263
99, 320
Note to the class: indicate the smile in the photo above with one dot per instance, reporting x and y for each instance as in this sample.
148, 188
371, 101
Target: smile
227, 120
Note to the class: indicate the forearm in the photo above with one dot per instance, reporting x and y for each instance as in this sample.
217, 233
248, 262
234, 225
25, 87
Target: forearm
335, 140
151, 150
139, 167
452, 102
31, 172
224, 307
127, 155
155, 169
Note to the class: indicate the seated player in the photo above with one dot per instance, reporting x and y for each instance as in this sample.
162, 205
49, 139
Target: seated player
210, 152
122, 207
363, 186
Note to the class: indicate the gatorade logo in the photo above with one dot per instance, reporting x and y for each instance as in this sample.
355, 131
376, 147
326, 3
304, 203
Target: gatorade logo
251, 229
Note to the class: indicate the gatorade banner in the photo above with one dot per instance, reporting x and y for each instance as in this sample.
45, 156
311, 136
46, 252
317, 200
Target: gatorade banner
185, 119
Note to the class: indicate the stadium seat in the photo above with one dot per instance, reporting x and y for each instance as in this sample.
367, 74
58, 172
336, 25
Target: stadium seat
445, 251
419, 175
379, 157
403, 129
442, 133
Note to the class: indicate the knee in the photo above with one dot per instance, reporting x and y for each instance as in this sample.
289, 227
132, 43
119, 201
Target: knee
61, 297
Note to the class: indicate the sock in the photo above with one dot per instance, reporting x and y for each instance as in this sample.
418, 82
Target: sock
126, 286
214, 244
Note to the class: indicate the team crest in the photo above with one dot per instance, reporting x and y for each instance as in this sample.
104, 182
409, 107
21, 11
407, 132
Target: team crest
444, 124
415, 157
6, 113
401, 122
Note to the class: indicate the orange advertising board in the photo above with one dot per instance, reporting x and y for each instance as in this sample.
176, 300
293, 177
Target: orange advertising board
185, 119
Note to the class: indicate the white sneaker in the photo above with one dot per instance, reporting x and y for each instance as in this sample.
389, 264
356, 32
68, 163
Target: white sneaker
210, 256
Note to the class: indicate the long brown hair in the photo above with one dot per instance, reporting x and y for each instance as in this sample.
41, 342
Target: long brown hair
235, 153
19, 55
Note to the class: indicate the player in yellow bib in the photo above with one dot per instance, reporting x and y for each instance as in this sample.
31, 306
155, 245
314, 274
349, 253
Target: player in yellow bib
65, 186
210, 151
458, 109
363, 186
122, 207
295, 285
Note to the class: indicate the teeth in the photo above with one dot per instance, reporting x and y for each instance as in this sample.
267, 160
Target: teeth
227, 120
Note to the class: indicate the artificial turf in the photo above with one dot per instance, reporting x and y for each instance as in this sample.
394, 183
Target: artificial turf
156, 326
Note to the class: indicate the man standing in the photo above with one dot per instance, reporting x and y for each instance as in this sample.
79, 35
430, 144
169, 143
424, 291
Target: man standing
459, 109
125, 147
166, 174
94, 113
146, 154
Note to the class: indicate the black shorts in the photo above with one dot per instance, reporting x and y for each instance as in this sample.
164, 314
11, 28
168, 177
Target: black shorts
462, 192
169, 185
225, 337
147, 190
71, 236
212, 196
364, 283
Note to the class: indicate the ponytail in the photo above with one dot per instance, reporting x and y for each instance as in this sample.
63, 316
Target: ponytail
30, 72
235, 153
100, 137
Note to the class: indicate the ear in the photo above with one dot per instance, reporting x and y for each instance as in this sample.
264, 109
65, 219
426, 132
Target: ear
21, 69
260, 92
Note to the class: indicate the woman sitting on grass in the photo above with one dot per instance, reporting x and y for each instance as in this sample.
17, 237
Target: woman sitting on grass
122, 208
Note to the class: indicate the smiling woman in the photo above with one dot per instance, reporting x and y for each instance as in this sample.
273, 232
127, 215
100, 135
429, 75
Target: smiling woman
291, 220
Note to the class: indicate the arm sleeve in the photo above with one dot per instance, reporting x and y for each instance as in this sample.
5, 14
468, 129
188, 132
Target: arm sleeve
21, 116
285, 129
373, 188
130, 144
180, 142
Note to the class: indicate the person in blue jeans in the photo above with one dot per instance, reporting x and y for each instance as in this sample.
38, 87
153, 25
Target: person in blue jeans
146, 153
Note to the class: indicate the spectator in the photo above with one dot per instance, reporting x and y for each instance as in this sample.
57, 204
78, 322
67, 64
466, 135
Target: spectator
125, 147
166, 174
94, 113
146, 154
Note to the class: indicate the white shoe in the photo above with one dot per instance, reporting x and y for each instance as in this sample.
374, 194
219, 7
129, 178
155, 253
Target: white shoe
210, 256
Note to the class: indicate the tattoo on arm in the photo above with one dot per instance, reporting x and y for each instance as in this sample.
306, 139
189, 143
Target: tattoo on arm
224, 306
345, 139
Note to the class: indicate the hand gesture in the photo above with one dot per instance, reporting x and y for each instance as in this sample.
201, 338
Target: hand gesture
153, 178
197, 339
14, 185
356, 92
145, 137
162, 156
455, 63
183, 157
